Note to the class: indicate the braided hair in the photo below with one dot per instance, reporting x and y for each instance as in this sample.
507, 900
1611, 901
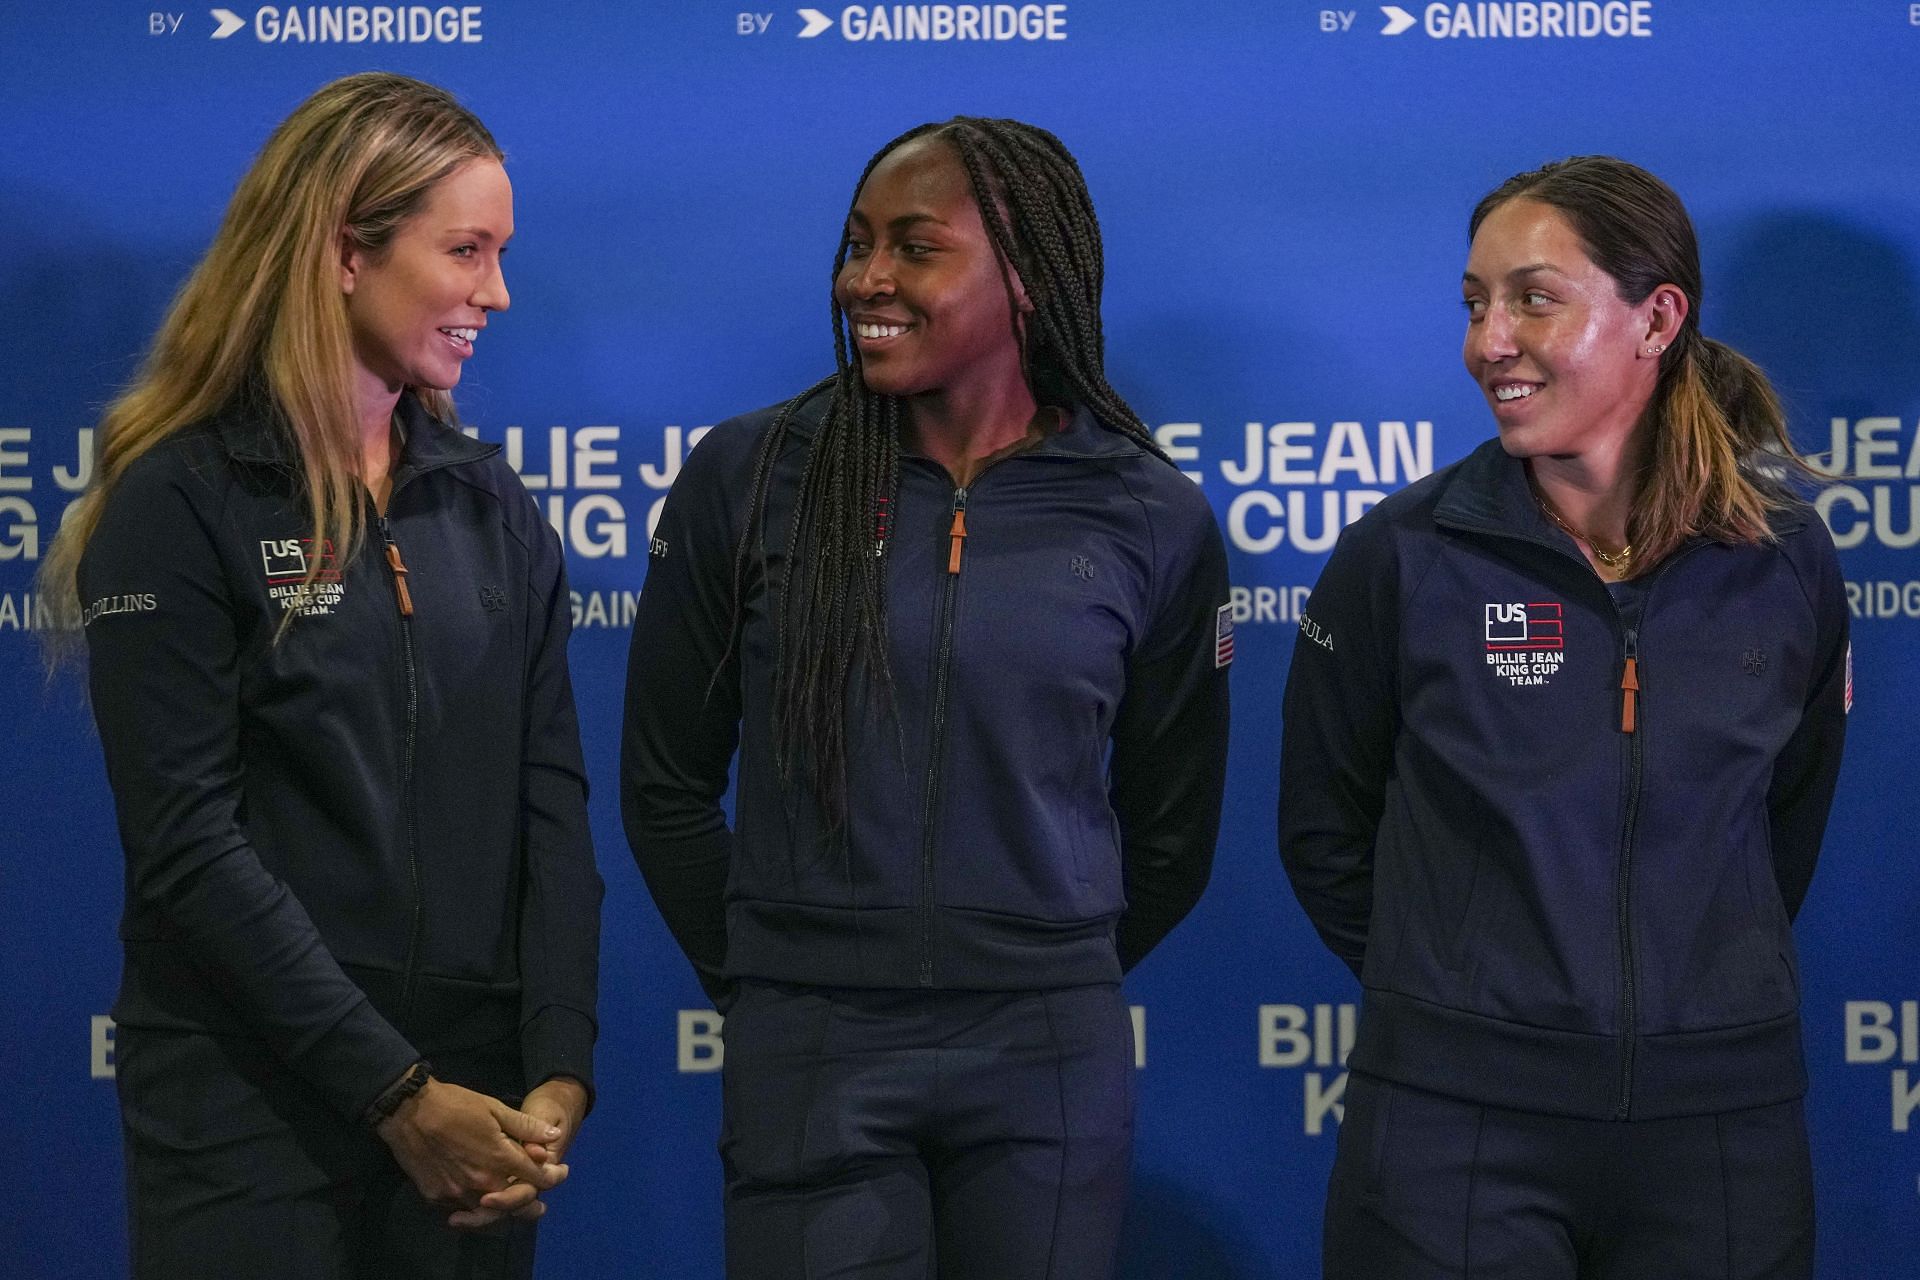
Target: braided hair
831, 611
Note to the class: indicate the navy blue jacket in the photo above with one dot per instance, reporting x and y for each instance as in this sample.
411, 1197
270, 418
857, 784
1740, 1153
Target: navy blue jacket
1051, 768
367, 841
1557, 901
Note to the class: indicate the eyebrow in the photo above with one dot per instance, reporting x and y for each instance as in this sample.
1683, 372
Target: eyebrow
1518, 273
477, 233
900, 223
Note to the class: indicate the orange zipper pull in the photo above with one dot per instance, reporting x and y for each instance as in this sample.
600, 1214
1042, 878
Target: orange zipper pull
399, 567
957, 535
1629, 685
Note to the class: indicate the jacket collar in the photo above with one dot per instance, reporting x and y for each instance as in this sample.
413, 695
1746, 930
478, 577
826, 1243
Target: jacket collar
1083, 436
1489, 492
253, 432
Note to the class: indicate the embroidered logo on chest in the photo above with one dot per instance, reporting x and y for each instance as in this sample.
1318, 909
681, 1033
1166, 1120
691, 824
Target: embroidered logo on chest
1526, 641
287, 563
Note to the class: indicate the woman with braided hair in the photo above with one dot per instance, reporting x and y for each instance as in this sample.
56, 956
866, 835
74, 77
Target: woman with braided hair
964, 625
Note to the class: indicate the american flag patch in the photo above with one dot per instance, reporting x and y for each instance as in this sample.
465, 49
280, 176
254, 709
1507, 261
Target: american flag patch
1223, 635
1848, 708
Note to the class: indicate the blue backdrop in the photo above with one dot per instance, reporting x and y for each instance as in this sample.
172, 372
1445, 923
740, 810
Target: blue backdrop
1284, 189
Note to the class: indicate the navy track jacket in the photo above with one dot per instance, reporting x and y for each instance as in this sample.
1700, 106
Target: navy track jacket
368, 841
1040, 805
1561, 839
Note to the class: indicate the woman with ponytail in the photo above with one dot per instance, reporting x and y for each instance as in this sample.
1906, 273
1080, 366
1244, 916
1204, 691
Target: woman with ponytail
964, 627
326, 638
1562, 731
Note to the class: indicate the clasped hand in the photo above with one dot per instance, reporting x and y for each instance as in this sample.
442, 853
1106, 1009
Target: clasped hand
478, 1156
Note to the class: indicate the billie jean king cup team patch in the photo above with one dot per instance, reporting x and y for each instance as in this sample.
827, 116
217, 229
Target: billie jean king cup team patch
1526, 642
286, 564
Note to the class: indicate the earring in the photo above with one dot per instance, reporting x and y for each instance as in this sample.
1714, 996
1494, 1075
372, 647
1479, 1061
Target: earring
1655, 350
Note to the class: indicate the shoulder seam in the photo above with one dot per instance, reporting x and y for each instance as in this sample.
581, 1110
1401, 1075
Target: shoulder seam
491, 488
1800, 578
1153, 547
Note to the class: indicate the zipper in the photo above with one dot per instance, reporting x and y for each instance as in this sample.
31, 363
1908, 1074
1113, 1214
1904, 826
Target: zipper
403, 603
1629, 1012
956, 549
1630, 687
930, 812
957, 532
405, 473
1630, 728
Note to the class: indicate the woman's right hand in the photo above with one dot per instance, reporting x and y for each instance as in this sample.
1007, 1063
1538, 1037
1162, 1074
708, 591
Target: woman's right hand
457, 1145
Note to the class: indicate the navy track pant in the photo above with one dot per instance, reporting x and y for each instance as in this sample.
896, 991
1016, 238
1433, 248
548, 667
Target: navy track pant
902, 1135
1426, 1187
236, 1168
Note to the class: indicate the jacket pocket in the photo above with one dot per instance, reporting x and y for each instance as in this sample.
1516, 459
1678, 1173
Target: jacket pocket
1096, 837
1463, 930
1365, 1135
1467, 935
1721, 931
1772, 932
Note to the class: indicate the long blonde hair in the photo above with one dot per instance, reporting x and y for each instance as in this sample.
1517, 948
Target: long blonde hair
1718, 435
263, 312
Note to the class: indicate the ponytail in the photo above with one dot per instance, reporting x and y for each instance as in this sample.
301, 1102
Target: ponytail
1717, 437
1715, 426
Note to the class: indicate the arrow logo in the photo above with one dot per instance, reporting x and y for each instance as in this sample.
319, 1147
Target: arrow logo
229, 21
1398, 19
816, 23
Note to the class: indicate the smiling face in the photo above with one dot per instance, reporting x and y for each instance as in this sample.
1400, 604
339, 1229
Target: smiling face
921, 286
1560, 356
416, 305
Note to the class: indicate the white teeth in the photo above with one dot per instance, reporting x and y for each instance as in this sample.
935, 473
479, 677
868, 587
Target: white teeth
465, 335
879, 330
1512, 392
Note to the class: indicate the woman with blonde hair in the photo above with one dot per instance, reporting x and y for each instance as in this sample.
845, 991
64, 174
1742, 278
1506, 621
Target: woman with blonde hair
326, 644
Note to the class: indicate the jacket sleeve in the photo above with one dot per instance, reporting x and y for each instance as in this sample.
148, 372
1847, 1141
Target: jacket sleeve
165, 683
1808, 768
682, 719
1169, 762
1339, 717
561, 887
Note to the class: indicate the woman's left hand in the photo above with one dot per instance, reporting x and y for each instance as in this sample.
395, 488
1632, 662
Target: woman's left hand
561, 1101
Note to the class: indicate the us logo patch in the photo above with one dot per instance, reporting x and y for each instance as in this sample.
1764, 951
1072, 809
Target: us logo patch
1222, 636
286, 562
1526, 640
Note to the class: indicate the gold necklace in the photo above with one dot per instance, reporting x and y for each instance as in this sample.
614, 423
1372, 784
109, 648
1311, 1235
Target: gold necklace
1614, 560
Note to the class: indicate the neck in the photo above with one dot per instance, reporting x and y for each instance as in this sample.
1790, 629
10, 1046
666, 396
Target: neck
1593, 490
959, 427
375, 402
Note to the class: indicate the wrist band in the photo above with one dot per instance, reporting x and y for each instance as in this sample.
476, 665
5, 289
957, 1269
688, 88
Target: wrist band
398, 1092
